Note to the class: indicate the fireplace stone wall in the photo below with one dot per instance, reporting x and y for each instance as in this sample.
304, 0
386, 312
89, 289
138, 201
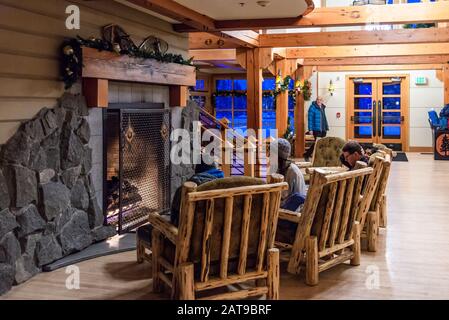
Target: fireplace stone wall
48, 202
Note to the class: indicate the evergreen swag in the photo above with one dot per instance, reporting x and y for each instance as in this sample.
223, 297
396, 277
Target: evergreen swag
72, 59
284, 86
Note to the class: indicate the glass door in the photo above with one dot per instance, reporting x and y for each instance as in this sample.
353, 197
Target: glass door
362, 103
390, 108
376, 109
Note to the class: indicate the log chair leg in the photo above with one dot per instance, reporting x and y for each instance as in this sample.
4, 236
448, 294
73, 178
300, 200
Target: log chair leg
312, 261
156, 247
356, 248
383, 212
139, 250
273, 274
372, 230
185, 281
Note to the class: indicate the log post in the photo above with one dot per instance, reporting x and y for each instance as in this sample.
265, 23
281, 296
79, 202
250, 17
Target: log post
186, 281
356, 247
273, 274
312, 261
303, 73
281, 99
372, 230
446, 83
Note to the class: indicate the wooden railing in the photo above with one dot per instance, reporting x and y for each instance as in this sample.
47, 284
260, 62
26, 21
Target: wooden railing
238, 165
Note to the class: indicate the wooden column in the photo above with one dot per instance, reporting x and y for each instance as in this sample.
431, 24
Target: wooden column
304, 72
254, 89
253, 100
281, 99
446, 83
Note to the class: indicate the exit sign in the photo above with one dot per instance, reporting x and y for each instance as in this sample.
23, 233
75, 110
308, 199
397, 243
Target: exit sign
421, 81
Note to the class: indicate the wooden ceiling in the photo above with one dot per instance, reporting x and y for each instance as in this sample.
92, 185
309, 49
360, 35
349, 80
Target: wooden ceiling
214, 38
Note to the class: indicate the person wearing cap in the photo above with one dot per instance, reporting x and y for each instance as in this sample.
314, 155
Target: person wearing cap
294, 196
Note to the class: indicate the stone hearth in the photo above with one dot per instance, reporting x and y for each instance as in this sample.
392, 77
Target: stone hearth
48, 207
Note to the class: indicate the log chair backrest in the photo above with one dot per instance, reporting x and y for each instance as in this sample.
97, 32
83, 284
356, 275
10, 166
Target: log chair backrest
228, 230
329, 211
382, 184
369, 189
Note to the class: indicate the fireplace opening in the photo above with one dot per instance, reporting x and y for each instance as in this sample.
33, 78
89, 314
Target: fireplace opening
136, 163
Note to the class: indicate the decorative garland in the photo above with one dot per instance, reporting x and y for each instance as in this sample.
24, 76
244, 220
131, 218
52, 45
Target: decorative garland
72, 59
305, 89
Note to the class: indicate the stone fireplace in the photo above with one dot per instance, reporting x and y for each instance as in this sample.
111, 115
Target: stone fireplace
48, 203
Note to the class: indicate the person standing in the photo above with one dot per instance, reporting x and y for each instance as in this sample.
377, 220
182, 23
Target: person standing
317, 123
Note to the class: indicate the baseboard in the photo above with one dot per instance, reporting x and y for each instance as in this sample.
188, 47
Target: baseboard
420, 149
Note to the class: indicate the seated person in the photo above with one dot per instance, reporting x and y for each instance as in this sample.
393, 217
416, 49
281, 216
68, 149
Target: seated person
292, 198
203, 173
353, 152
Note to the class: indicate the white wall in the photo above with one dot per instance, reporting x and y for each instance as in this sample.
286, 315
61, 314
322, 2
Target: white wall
422, 98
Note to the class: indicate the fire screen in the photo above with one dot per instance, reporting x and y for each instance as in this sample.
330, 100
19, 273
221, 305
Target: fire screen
137, 163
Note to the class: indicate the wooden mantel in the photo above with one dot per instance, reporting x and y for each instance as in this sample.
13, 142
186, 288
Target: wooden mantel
101, 66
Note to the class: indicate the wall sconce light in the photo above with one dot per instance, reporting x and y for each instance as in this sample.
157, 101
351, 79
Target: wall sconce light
331, 88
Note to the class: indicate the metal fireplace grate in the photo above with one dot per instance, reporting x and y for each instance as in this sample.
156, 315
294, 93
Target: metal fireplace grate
139, 182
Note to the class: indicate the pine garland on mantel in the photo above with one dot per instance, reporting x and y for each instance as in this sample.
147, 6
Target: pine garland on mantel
72, 58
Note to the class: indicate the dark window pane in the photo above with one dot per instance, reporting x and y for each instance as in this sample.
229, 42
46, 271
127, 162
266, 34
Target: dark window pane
392, 103
291, 115
268, 84
391, 132
223, 102
240, 84
199, 85
363, 103
268, 103
363, 88
240, 120
223, 114
391, 88
362, 117
268, 119
291, 84
363, 132
391, 117
291, 103
200, 100
224, 85
239, 102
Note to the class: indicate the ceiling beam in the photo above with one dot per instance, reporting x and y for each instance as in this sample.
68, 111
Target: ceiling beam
381, 67
343, 16
197, 21
414, 49
213, 55
204, 40
396, 60
398, 36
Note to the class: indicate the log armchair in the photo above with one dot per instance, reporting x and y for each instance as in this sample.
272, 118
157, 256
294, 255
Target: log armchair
326, 153
327, 232
225, 237
371, 206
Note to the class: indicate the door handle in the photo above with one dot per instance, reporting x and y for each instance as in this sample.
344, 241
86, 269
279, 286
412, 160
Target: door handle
374, 119
379, 120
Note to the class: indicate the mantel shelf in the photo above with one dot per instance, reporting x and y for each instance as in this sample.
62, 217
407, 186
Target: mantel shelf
101, 66
110, 66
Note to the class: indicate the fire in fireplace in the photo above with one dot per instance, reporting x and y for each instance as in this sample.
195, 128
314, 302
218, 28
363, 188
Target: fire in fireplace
136, 162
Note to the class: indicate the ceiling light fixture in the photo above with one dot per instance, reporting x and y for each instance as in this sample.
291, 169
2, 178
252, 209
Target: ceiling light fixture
263, 3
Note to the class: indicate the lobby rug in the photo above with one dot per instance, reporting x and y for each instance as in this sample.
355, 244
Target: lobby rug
401, 156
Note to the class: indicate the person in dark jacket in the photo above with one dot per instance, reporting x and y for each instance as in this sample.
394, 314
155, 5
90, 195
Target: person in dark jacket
353, 152
317, 123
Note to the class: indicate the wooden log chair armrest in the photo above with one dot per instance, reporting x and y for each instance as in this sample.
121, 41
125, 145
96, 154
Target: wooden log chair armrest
288, 215
303, 165
163, 226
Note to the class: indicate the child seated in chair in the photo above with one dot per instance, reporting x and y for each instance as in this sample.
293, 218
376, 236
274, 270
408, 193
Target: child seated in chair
294, 197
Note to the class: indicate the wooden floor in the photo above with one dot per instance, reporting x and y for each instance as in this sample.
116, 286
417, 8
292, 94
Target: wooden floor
412, 263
